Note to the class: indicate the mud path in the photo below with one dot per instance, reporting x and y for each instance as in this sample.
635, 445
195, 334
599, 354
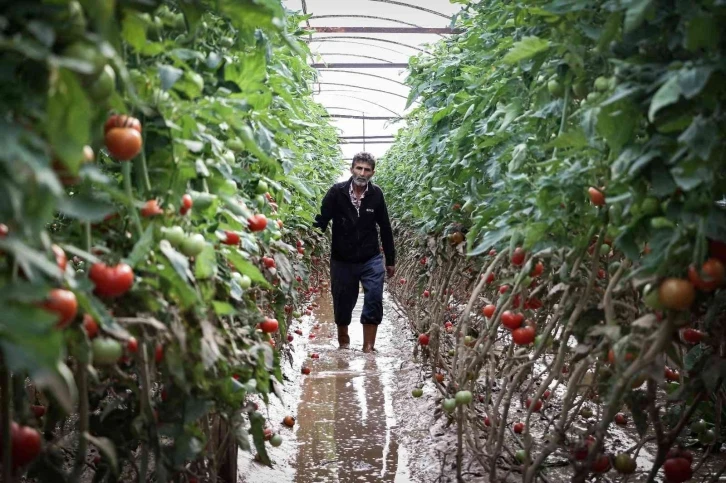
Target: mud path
348, 408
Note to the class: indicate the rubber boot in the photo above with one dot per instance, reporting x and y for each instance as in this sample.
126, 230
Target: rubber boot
343, 337
369, 337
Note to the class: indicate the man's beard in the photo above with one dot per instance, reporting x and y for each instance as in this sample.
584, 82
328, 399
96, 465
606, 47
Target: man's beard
360, 181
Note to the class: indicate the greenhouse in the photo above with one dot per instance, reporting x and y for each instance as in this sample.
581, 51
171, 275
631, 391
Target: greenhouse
378, 241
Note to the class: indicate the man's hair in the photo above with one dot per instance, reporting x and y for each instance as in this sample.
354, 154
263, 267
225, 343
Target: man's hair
364, 157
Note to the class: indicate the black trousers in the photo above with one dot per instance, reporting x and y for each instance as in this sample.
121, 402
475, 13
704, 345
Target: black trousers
345, 278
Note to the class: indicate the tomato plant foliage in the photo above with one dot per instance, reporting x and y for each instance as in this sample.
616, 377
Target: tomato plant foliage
217, 105
586, 137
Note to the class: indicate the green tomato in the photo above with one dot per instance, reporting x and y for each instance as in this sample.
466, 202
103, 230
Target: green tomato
449, 405
463, 397
276, 235
193, 245
650, 206
452, 352
202, 200
586, 412
226, 41
231, 183
699, 426
604, 249
602, 84
579, 89
276, 440
235, 144
417, 392
106, 351
228, 156
509, 22
262, 187
593, 97
613, 267
661, 222
296, 314
175, 235
87, 53
104, 86
707, 437
555, 88
468, 207
651, 298
521, 455
245, 282
527, 281
616, 214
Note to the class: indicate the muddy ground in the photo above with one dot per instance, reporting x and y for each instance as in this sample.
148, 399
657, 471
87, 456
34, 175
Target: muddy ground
356, 420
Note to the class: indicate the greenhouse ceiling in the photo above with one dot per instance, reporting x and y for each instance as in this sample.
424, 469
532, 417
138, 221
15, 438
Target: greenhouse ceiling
361, 49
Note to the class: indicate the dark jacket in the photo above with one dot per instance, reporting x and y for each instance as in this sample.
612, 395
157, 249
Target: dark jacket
355, 239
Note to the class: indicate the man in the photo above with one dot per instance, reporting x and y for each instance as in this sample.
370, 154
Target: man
356, 206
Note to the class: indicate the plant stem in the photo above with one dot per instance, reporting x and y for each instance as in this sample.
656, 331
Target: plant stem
126, 170
144, 169
88, 237
82, 383
5, 384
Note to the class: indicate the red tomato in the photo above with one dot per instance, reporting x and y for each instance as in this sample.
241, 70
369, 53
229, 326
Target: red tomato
710, 276
257, 222
677, 470
268, 262
512, 321
423, 339
518, 256
269, 325
38, 411
426, 294
159, 353
533, 303
231, 238
621, 419
693, 336
490, 278
537, 270
671, 375
489, 310
523, 335
64, 304
4, 230
60, 257
492, 253
132, 345
121, 120
676, 294
546, 394
536, 407
597, 197
123, 143
601, 464
187, 201
301, 250
25, 444
111, 281
601, 274
487, 421
151, 208
91, 326
717, 249
503, 289
518, 428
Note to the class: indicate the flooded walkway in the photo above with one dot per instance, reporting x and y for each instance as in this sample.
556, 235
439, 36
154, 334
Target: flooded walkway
346, 428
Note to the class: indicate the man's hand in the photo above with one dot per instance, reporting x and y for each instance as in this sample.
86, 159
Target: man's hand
391, 271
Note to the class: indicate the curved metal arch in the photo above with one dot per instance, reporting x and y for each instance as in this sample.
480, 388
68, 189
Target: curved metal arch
366, 44
357, 98
354, 55
366, 16
423, 9
366, 74
358, 37
360, 87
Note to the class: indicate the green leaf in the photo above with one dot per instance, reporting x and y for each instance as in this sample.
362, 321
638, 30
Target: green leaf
668, 94
205, 265
223, 308
526, 48
616, 123
133, 30
489, 240
249, 72
179, 262
68, 119
141, 248
702, 32
635, 14
257, 427
169, 75
246, 268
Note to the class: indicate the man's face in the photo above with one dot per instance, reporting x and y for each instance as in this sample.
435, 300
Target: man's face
362, 173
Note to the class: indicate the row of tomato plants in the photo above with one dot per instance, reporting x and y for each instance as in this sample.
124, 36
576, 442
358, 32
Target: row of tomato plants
566, 243
160, 174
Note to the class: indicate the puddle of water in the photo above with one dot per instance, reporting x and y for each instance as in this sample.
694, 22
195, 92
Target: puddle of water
346, 428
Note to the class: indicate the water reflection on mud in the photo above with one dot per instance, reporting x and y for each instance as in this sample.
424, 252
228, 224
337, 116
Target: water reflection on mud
346, 425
